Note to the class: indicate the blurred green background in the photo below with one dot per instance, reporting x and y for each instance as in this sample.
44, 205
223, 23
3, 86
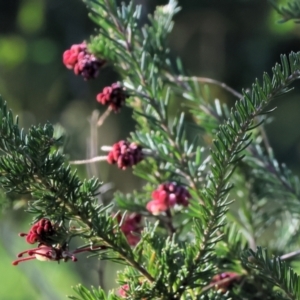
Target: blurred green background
233, 41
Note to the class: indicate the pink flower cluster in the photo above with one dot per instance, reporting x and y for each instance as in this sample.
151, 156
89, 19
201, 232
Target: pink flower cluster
46, 250
123, 290
131, 227
82, 62
39, 232
114, 96
125, 154
88, 65
166, 196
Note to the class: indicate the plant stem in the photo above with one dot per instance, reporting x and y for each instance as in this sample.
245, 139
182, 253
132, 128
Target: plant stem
290, 255
221, 282
212, 81
88, 161
103, 117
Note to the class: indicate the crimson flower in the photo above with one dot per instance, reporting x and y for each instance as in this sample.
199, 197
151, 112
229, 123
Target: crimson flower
123, 290
45, 253
53, 253
131, 227
125, 154
166, 196
48, 249
114, 96
40, 232
82, 62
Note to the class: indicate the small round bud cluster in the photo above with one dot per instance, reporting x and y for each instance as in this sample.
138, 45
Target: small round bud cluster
114, 96
125, 154
225, 281
131, 227
82, 62
39, 232
168, 195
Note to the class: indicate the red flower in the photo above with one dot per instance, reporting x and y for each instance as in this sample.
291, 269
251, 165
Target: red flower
70, 57
156, 207
48, 249
114, 96
166, 196
125, 154
82, 62
131, 227
123, 290
45, 253
52, 253
39, 232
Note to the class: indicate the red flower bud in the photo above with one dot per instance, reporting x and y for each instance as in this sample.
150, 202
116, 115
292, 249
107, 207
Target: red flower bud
131, 227
39, 232
114, 96
168, 195
125, 154
82, 62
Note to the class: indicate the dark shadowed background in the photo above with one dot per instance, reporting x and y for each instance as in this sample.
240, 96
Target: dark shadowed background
233, 41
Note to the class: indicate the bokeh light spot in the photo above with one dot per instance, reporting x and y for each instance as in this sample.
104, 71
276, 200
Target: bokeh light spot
31, 16
274, 18
44, 51
13, 50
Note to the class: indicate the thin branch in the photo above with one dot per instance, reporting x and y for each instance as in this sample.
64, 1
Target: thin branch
88, 161
290, 255
212, 81
234, 93
93, 146
93, 171
271, 168
103, 117
219, 283
146, 152
169, 223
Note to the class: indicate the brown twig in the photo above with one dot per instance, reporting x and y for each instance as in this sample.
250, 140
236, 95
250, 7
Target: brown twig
221, 282
169, 223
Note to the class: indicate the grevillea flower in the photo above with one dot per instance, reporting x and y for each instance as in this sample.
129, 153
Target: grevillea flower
40, 232
225, 281
166, 196
47, 249
114, 96
82, 62
53, 253
70, 57
131, 227
123, 290
125, 154
45, 253
157, 207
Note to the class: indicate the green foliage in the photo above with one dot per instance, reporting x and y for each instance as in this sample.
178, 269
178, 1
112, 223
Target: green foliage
275, 271
289, 12
96, 294
185, 253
